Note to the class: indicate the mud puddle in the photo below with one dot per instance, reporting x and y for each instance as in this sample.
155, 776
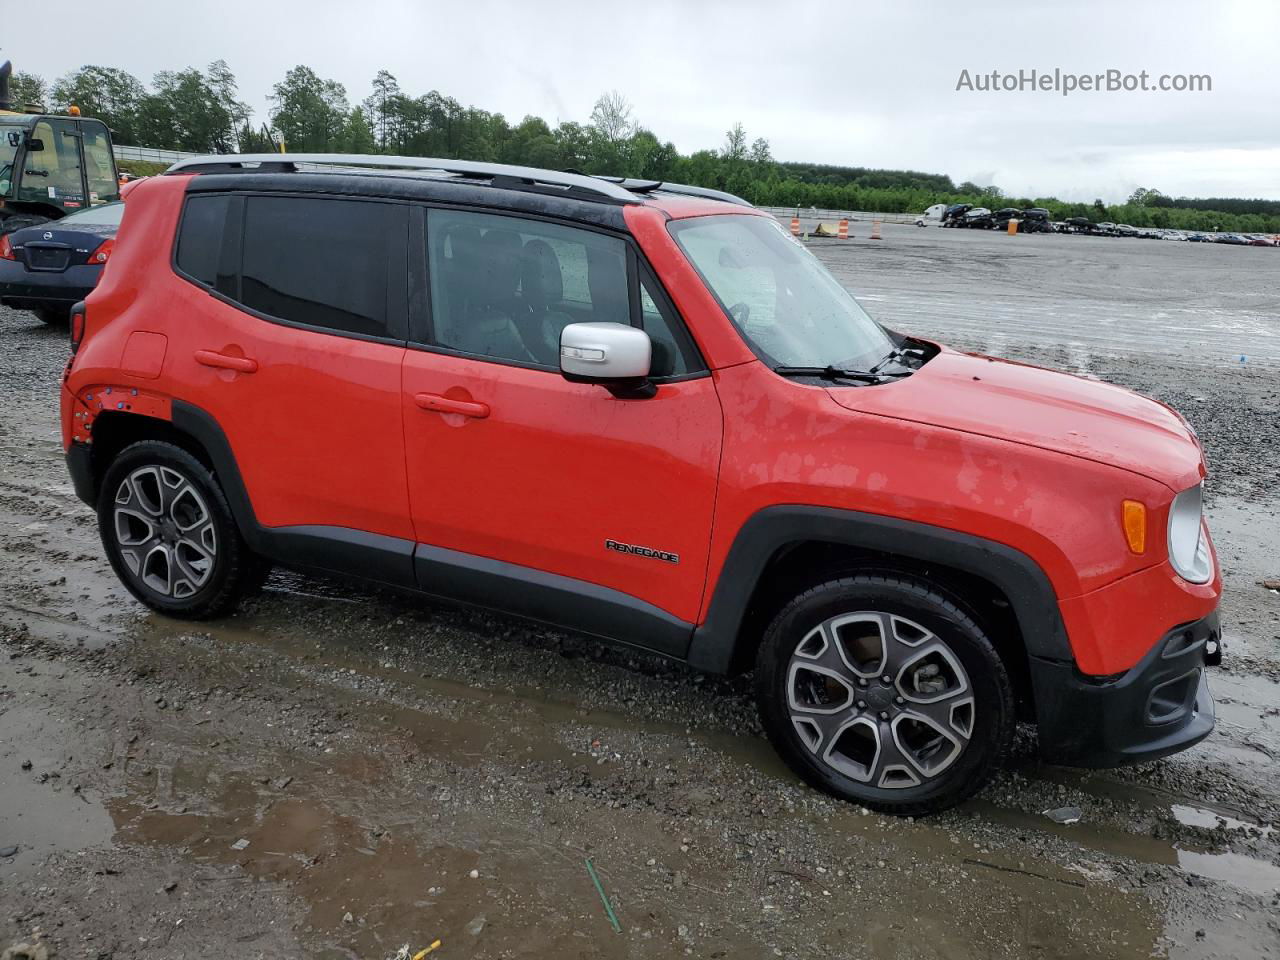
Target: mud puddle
1251, 873
41, 810
360, 838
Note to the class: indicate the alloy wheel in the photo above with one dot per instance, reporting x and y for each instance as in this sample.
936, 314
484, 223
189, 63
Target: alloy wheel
880, 699
164, 531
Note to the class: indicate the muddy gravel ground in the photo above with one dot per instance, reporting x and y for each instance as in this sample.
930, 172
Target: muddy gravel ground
336, 773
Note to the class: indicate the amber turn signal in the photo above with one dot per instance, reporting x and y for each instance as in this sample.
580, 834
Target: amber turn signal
1135, 525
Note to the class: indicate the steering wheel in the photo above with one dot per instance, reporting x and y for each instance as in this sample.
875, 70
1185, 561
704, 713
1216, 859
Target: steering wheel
741, 313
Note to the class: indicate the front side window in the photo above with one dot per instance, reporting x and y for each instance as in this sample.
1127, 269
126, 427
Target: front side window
673, 355
52, 174
783, 302
320, 262
505, 287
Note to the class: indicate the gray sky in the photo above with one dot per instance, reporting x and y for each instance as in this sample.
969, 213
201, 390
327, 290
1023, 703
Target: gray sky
867, 83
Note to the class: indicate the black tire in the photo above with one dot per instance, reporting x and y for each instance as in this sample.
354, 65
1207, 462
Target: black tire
951, 766
200, 588
53, 316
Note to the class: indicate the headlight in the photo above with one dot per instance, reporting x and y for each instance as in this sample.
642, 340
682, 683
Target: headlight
1188, 547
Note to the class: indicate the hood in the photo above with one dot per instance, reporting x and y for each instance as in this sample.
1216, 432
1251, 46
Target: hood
1039, 408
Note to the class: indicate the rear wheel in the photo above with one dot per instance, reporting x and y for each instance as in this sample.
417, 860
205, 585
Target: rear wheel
879, 690
170, 535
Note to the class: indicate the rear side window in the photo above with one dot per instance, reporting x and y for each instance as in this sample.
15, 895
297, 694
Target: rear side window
200, 242
320, 262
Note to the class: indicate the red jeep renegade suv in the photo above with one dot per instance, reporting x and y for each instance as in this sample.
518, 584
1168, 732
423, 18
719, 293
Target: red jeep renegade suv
644, 412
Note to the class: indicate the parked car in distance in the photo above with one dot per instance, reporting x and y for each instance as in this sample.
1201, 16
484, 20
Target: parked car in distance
1000, 219
1199, 238
1125, 230
582, 401
932, 216
1081, 225
1173, 235
979, 218
953, 216
1106, 229
1035, 220
1258, 240
50, 266
1232, 238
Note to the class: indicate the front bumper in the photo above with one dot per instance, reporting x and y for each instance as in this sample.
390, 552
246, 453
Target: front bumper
1158, 707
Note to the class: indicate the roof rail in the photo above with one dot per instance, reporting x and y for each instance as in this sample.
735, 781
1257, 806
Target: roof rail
685, 190
501, 174
682, 189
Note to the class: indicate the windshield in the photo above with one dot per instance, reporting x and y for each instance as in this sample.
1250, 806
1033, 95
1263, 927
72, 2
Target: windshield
10, 140
106, 213
786, 305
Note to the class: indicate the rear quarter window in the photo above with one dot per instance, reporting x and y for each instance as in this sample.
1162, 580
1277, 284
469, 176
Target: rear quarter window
200, 242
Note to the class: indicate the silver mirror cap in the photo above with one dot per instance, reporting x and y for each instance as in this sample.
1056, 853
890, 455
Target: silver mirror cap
605, 352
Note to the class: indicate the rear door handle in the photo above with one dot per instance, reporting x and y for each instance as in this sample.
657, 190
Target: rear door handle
211, 358
439, 404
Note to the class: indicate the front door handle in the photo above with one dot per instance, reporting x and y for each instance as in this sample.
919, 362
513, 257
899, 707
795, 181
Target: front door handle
439, 404
211, 358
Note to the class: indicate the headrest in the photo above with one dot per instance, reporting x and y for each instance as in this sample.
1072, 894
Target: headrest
500, 251
541, 280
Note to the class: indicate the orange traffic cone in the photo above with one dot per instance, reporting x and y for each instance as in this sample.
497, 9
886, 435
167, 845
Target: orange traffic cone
795, 226
875, 230
843, 232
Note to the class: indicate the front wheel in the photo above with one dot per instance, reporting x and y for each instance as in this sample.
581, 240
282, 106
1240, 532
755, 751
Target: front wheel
879, 690
170, 535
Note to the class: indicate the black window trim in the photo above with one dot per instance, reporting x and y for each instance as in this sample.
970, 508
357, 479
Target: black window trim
421, 322
398, 303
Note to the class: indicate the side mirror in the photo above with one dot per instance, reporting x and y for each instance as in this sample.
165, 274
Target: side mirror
613, 355
34, 144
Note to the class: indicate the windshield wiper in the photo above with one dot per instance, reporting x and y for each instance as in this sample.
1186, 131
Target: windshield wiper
836, 373
901, 356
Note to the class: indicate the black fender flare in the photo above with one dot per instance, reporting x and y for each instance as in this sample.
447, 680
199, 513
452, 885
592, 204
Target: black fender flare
201, 425
715, 646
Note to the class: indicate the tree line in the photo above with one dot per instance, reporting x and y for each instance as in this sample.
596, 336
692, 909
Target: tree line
201, 111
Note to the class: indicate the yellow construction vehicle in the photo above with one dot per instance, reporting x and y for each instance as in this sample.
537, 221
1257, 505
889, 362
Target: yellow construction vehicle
50, 165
